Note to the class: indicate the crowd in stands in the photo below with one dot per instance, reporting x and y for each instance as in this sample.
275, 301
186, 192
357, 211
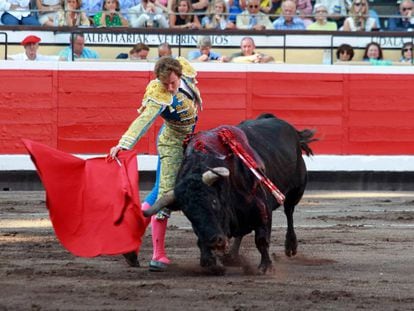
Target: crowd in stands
373, 53
346, 15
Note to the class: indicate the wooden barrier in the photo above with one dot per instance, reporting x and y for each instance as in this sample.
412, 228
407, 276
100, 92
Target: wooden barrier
84, 107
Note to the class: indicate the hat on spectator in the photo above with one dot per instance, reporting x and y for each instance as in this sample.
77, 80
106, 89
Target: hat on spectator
30, 39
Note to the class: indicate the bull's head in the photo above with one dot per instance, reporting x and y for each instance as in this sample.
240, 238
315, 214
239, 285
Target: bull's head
202, 204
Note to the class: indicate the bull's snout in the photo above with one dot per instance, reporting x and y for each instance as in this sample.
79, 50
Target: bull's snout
219, 243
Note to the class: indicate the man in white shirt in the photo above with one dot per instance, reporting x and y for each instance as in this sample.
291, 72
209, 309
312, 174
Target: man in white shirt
31, 45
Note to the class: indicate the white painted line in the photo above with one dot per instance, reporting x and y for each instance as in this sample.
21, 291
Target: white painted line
350, 163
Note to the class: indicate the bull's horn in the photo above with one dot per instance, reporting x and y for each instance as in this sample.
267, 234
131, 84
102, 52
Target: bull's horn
164, 201
210, 176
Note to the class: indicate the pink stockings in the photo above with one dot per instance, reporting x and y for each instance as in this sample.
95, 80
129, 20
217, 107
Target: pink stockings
159, 227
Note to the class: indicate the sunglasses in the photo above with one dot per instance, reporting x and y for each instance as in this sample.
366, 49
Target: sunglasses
359, 4
407, 50
407, 9
253, 6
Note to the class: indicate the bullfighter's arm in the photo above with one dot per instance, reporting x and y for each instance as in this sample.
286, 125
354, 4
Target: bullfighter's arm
141, 125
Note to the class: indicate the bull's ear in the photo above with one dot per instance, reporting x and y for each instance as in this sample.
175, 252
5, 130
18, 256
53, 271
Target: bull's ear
212, 175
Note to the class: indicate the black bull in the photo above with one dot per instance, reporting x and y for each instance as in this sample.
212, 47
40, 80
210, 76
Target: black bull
222, 198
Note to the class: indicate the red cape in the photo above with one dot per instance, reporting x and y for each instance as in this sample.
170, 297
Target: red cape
93, 204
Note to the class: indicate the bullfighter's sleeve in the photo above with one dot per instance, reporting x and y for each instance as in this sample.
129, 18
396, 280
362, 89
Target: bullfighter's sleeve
140, 125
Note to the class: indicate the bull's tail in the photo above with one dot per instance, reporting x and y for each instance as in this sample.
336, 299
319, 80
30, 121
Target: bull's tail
305, 138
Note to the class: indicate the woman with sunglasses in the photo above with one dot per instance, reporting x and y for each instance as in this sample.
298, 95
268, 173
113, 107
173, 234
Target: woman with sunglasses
359, 19
345, 53
407, 53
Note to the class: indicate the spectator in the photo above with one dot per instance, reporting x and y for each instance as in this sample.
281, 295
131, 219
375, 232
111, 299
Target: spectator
373, 51
235, 8
321, 21
304, 10
77, 46
275, 9
204, 52
139, 52
147, 14
288, 20
91, 8
164, 49
265, 6
72, 15
407, 53
336, 10
359, 19
110, 16
217, 17
31, 45
48, 11
405, 20
248, 54
252, 18
345, 53
17, 12
184, 17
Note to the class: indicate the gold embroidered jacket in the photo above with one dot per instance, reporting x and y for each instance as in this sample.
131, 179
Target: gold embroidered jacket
179, 111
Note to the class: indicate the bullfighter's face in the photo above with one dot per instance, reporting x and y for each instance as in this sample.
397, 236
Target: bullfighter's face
171, 83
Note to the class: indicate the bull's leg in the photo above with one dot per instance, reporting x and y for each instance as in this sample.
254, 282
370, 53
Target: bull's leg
291, 243
262, 240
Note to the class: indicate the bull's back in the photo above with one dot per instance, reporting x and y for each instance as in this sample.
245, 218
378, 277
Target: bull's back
277, 143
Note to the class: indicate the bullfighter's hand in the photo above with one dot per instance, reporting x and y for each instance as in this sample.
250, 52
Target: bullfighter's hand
114, 151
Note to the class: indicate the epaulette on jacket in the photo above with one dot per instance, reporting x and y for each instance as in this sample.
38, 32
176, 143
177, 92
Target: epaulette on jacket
188, 70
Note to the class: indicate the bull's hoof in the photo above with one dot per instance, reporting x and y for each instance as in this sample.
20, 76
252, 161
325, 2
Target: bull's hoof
132, 259
290, 252
263, 268
291, 247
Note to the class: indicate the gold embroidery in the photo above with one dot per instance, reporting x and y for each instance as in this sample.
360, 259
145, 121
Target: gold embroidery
188, 70
157, 93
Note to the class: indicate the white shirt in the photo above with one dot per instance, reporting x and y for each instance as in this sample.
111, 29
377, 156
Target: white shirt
369, 24
22, 11
23, 56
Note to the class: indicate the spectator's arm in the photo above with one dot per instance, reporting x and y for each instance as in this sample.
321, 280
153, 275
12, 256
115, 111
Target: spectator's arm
200, 5
346, 26
196, 22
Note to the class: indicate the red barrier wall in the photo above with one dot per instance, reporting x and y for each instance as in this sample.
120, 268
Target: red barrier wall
87, 111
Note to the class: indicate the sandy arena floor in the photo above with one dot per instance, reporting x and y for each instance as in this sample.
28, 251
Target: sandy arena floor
356, 251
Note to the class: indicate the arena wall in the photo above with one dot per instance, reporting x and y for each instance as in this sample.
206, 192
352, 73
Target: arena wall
363, 115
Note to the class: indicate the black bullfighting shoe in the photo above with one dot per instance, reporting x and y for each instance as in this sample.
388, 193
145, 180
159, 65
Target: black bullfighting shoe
132, 259
157, 266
